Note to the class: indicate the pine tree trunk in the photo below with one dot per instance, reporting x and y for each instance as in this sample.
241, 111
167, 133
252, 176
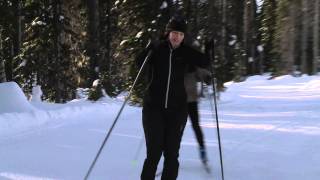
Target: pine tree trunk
18, 33
293, 34
285, 38
304, 37
211, 14
106, 30
93, 39
246, 33
289, 65
57, 49
17, 25
224, 31
316, 59
2, 72
2, 66
250, 35
105, 35
212, 32
253, 36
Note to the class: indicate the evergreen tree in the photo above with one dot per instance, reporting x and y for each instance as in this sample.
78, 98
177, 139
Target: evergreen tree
213, 37
131, 38
288, 37
45, 55
106, 29
268, 30
7, 14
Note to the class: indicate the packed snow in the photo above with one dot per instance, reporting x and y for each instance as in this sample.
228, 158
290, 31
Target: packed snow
270, 130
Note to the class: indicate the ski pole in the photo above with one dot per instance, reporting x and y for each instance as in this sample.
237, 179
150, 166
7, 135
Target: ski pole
213, 81
218, 128
116, 119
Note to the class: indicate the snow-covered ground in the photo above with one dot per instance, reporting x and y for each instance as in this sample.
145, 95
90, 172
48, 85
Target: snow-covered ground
270, 130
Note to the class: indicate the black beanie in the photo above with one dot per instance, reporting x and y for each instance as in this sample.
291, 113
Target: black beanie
177, 23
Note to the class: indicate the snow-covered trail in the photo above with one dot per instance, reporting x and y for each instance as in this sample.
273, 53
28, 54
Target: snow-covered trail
269, 131
65, 150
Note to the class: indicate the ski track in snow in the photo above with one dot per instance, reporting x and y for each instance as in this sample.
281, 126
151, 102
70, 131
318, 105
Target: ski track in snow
269, 130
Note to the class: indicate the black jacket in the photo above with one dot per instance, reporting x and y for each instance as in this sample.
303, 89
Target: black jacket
166, 75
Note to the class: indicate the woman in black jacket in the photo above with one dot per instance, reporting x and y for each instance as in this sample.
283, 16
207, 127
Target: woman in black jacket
164, 112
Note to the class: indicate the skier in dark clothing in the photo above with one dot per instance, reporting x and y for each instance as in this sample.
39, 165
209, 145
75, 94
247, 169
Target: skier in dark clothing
164, 112
192, 78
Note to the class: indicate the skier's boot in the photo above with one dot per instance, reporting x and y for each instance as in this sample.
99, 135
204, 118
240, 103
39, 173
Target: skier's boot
203, 155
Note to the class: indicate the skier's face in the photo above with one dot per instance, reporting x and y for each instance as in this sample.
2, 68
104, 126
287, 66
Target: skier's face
176, 38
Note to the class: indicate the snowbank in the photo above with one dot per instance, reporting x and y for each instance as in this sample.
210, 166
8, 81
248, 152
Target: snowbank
18, 115
12, 99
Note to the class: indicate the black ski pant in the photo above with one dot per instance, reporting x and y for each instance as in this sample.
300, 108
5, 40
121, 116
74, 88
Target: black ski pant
163, 130
194, 117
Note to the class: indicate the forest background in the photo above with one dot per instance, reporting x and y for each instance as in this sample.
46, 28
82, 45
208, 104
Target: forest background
65, 46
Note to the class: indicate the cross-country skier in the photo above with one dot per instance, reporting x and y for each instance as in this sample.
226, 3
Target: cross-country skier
193, 76
164, 112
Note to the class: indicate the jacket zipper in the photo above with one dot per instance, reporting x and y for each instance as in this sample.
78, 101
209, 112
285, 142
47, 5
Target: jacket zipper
169, 77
